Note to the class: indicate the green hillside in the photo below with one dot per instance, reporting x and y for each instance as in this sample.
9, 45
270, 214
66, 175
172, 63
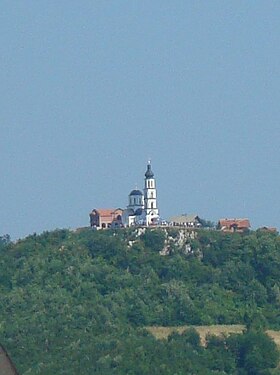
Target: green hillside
78, 303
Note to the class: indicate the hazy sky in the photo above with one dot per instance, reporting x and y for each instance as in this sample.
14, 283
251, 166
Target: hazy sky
90, 90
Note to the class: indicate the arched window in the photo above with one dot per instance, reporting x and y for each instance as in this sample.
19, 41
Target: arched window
152, 204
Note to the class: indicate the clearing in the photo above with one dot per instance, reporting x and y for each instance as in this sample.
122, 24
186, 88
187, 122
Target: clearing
217, 330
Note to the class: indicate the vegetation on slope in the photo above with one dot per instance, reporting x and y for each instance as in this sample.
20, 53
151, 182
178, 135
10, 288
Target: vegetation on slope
77, 302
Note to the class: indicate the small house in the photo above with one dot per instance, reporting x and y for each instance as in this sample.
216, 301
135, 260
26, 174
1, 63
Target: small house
106, 218
189, 221
268, 229
234, 225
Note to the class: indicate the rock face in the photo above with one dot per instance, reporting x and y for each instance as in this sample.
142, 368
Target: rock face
6, 365
180, 241
176, 240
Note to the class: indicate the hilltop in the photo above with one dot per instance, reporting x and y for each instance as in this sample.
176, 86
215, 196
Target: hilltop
79, 302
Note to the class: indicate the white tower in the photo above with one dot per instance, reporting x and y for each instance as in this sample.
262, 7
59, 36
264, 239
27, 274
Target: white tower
150, 197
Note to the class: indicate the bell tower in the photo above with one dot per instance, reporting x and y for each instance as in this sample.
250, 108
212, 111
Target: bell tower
150, 197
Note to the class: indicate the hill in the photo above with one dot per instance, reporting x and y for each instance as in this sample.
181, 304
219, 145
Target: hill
78, 302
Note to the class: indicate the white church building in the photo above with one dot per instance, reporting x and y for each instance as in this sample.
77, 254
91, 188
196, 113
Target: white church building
142, 206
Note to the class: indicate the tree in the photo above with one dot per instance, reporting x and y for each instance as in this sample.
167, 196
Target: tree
5, 240
256, 352
153, 239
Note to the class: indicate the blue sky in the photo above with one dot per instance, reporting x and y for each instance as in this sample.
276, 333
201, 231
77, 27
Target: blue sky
90, 90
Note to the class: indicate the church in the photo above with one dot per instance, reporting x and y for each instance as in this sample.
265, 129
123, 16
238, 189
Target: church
142, 208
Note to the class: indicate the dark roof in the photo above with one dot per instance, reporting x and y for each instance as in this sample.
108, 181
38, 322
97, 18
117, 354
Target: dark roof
138, 212
149, 173
136, 192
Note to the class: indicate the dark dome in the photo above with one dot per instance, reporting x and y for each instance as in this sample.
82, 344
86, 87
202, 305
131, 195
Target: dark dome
136, 192
149, 173
138, 212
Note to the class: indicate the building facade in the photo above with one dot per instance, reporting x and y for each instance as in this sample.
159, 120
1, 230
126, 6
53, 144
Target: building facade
103, 218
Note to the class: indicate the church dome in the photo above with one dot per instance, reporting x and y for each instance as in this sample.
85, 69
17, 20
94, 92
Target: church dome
136, 192
149, 173
139, 212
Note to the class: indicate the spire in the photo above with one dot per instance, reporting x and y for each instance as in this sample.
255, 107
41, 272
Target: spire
149, 173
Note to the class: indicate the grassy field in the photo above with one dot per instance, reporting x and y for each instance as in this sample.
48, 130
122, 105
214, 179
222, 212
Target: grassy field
218, 330
275, 335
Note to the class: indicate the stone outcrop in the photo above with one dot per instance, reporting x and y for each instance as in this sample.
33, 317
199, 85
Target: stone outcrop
176, 240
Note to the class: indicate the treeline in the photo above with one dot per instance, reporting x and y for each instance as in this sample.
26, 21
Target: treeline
77, 302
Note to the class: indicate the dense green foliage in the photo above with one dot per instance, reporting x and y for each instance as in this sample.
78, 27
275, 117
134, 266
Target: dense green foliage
76, 303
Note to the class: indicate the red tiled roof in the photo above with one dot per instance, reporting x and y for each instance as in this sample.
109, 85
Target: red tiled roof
268, 229
107, 212
239, 223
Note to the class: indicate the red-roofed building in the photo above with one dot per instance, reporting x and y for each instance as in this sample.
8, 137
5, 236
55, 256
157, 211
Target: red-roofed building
106, 218
234, 225
268, 229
